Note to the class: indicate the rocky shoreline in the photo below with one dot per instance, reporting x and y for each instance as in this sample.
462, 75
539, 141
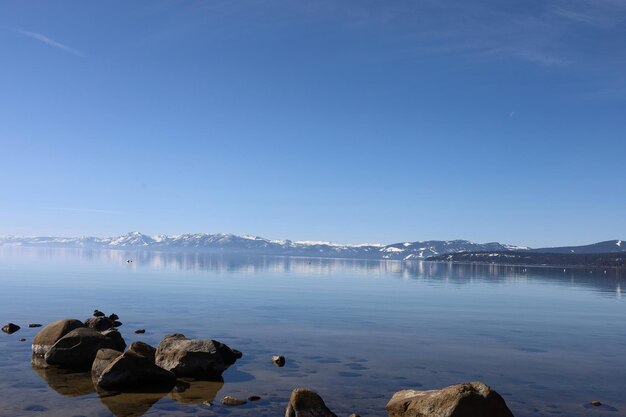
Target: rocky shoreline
92, 356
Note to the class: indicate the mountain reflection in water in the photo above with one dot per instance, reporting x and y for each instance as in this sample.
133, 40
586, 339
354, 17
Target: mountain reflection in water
603, 280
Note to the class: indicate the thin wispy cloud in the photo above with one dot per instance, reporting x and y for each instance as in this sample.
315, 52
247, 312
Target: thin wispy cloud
49, 41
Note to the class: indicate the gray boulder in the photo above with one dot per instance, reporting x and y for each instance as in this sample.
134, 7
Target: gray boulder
200, 359
78, 348
50, 334
471, 399
307, 403
131, 372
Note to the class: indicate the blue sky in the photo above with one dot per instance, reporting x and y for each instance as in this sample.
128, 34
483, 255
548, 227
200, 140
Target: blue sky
350, 121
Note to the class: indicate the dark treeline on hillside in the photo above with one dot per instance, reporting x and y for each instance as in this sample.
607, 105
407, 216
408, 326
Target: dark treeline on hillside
599, 260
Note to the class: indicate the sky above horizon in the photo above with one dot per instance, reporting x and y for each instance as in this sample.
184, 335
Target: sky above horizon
351, 121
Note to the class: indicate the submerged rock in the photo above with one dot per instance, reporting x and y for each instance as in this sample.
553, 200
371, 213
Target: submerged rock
596, 403
66, 382
51, 334
78, 348
140, 331
196, 392
232, 401
131, 372
462, 400
254, 398
307, 403
32, 325
278, 361
10, 328
130, 404
201, 359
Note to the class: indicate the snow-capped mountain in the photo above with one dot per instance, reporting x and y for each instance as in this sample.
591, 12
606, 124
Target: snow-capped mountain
421, 250
229, 243
222, 242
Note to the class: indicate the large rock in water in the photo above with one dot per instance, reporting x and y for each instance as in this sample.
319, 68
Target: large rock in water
200, 359
78, 348
51, 334
471, 399
307, 403
131, 372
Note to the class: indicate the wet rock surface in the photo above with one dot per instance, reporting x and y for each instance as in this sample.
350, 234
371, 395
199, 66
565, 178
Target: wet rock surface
462, 400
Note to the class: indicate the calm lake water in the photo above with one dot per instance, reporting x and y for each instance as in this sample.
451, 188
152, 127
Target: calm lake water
548, 340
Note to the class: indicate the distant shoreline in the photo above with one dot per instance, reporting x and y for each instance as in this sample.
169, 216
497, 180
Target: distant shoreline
536, 259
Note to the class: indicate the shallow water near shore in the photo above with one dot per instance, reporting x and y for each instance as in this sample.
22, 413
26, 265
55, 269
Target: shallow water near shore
549, 340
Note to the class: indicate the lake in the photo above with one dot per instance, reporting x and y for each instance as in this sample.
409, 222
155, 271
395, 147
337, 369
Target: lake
548, 340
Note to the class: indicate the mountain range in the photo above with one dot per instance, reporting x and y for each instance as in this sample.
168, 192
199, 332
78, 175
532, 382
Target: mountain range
230, 243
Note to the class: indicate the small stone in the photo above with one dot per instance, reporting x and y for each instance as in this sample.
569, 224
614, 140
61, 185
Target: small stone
114, 317
254, 398
354, 415
278, 361
232, 401
21, 340
98, 313
10, 328
140, 331
34, 325
596, 403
